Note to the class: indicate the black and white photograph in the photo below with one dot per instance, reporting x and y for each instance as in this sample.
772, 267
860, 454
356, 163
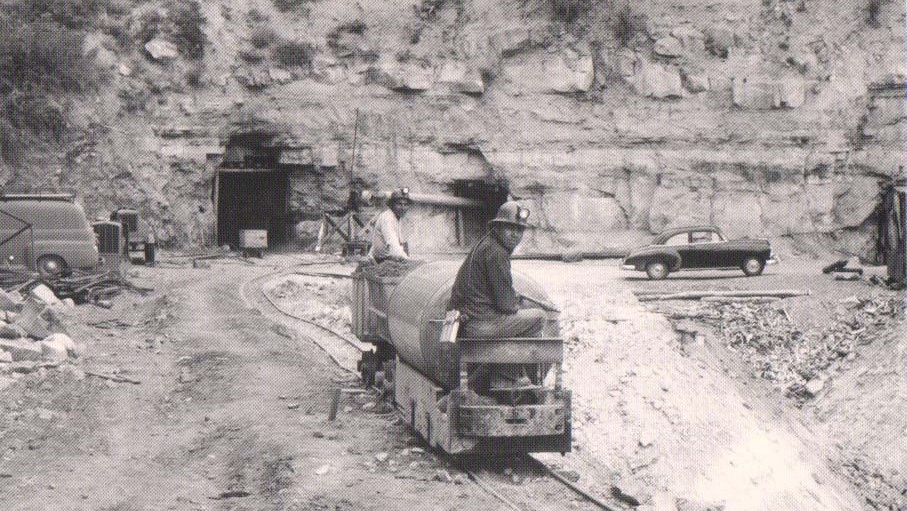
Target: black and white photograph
453, 255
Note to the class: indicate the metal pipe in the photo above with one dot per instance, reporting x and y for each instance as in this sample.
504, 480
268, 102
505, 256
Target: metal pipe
426, 198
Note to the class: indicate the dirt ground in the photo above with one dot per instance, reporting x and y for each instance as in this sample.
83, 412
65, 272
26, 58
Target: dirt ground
231, 409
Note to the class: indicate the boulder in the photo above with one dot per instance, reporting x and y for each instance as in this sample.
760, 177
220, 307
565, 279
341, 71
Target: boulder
43, 293
696, 81
791, 93
38, 320
21, 349
9, 301
402, 76
461, 77
11, 331
754, 92
161, 49
567, 72
626, 63
254, 78
511, 41
668, 47
280, 75
719, 40
853, 213
328, 69
738, 214
689, 37
657, 81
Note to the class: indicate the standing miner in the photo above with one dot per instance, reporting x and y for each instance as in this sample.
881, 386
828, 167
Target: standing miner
483, 290
387, 237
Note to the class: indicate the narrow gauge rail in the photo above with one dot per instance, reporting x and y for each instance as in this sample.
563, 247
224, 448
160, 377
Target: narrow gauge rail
483, 483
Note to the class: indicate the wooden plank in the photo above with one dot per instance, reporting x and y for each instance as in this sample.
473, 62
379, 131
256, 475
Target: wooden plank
494, 351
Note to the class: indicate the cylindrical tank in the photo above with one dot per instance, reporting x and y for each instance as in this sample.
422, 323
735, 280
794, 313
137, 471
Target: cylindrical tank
423, 296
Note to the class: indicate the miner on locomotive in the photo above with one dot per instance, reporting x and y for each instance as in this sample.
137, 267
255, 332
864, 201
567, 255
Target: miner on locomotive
468, 351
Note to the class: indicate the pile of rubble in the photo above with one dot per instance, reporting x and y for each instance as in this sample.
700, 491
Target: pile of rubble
388, 269
31, 330
796, 360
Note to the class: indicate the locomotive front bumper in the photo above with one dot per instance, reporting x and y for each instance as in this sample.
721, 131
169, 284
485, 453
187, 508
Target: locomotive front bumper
512, 421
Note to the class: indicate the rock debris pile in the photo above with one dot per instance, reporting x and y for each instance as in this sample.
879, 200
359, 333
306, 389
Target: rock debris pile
799, 361
32, 333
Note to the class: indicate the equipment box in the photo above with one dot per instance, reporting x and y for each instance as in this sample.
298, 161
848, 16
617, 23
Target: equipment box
253, 238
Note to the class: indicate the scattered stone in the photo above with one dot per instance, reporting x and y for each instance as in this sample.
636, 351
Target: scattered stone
292, 406
12, 331
322, 470
850, 301
381, 456
318, 434
847, 276
646, 438
443, 476
460, 479
43, 293
668, 47
124, 70
68, 302
347, 409
368, 406
814, 386
9, 301
161, 49
21, 350
58, 347
417, 450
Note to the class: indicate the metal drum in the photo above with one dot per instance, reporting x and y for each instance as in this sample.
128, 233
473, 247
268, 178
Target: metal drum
417, 306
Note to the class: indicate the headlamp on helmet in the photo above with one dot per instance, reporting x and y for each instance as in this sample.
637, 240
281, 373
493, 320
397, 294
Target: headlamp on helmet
522, 213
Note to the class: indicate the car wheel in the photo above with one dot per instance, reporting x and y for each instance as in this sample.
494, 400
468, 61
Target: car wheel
753, 266
51, 266
657, 270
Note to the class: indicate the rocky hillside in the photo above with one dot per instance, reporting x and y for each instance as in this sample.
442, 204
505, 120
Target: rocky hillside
616, 119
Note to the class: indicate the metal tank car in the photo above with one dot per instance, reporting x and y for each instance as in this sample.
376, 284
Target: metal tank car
440, 382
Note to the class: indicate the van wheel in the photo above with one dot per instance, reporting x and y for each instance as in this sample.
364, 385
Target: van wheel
51, 266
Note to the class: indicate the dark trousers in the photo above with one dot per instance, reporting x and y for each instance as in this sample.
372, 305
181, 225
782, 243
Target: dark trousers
525, 323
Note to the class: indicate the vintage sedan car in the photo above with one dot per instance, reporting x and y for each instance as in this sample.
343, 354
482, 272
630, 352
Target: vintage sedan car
701, 247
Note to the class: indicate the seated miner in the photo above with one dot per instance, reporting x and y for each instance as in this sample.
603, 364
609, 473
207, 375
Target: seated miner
387, 237
483, 290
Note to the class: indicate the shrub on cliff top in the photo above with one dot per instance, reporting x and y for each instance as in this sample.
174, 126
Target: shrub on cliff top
569, 10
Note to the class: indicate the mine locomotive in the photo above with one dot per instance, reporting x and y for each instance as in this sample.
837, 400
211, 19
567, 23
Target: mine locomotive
440, 383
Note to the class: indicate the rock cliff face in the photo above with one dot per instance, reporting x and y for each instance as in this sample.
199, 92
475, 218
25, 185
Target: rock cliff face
768, 118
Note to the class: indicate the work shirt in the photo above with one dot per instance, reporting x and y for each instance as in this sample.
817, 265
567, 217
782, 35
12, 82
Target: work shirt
387, 237
483, 288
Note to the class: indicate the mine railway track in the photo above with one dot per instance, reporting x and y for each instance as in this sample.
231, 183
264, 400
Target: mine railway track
498, 491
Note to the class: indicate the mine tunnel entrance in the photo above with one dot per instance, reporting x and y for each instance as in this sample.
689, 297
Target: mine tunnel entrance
472, 223
252, 193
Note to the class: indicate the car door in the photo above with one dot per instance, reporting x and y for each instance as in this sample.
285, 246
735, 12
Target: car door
681, 243
704, 250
